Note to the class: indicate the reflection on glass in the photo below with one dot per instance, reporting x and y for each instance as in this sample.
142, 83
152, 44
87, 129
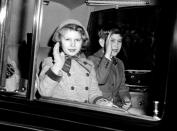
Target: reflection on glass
17, 69
12, 75
17, 23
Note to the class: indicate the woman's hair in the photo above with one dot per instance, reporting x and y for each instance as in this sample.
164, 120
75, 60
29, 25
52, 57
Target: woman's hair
75, 27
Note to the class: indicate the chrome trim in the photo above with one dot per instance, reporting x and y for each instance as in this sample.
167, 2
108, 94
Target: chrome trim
3, 32
36, 31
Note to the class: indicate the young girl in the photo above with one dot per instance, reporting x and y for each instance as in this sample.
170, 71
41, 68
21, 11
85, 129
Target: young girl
69, 75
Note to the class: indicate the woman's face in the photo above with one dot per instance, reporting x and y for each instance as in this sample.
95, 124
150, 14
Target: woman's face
71, 41
116, 42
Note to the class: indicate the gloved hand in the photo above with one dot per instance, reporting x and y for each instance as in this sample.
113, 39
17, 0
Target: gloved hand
126, 103
104, 102
59, 59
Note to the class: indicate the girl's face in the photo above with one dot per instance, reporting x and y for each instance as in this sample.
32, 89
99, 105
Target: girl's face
71, 41
116, 42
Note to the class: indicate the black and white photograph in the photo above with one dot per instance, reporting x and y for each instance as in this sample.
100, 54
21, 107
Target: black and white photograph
107, 65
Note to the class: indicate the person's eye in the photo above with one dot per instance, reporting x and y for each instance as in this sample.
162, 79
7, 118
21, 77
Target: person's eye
78, 40
67, 39
113, 41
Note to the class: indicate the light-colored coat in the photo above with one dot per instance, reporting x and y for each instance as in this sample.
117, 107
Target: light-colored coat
81, 85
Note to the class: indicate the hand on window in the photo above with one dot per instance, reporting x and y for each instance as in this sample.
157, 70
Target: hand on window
126, 104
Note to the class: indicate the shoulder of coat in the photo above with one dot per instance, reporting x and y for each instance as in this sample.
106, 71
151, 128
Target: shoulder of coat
87, 63
94, 57
120, 64
120, 61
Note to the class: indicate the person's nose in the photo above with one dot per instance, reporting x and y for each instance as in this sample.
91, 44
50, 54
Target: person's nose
73, 43
115, 45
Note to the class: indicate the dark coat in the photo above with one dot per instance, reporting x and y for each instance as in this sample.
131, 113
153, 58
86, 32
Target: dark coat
111, 77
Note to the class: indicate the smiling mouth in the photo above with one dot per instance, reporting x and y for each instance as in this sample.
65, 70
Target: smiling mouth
115, 50
72, 50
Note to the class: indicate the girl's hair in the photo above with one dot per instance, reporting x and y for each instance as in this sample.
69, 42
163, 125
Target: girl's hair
75, 27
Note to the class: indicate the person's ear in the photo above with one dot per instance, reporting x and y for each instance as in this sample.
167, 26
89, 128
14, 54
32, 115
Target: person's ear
101, 42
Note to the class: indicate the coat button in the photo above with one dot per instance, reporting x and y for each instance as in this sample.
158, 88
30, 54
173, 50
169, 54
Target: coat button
69, 74
72, 87
86, 88
107, 64
85, 62
87, 74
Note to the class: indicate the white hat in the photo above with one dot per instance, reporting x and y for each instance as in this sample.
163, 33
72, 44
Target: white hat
68, 21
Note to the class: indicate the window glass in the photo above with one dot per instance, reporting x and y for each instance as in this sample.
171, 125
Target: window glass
16, 27
30, 31
138, 53
140, 29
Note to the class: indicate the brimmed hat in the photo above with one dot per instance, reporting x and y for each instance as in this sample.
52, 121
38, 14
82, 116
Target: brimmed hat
68, 21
